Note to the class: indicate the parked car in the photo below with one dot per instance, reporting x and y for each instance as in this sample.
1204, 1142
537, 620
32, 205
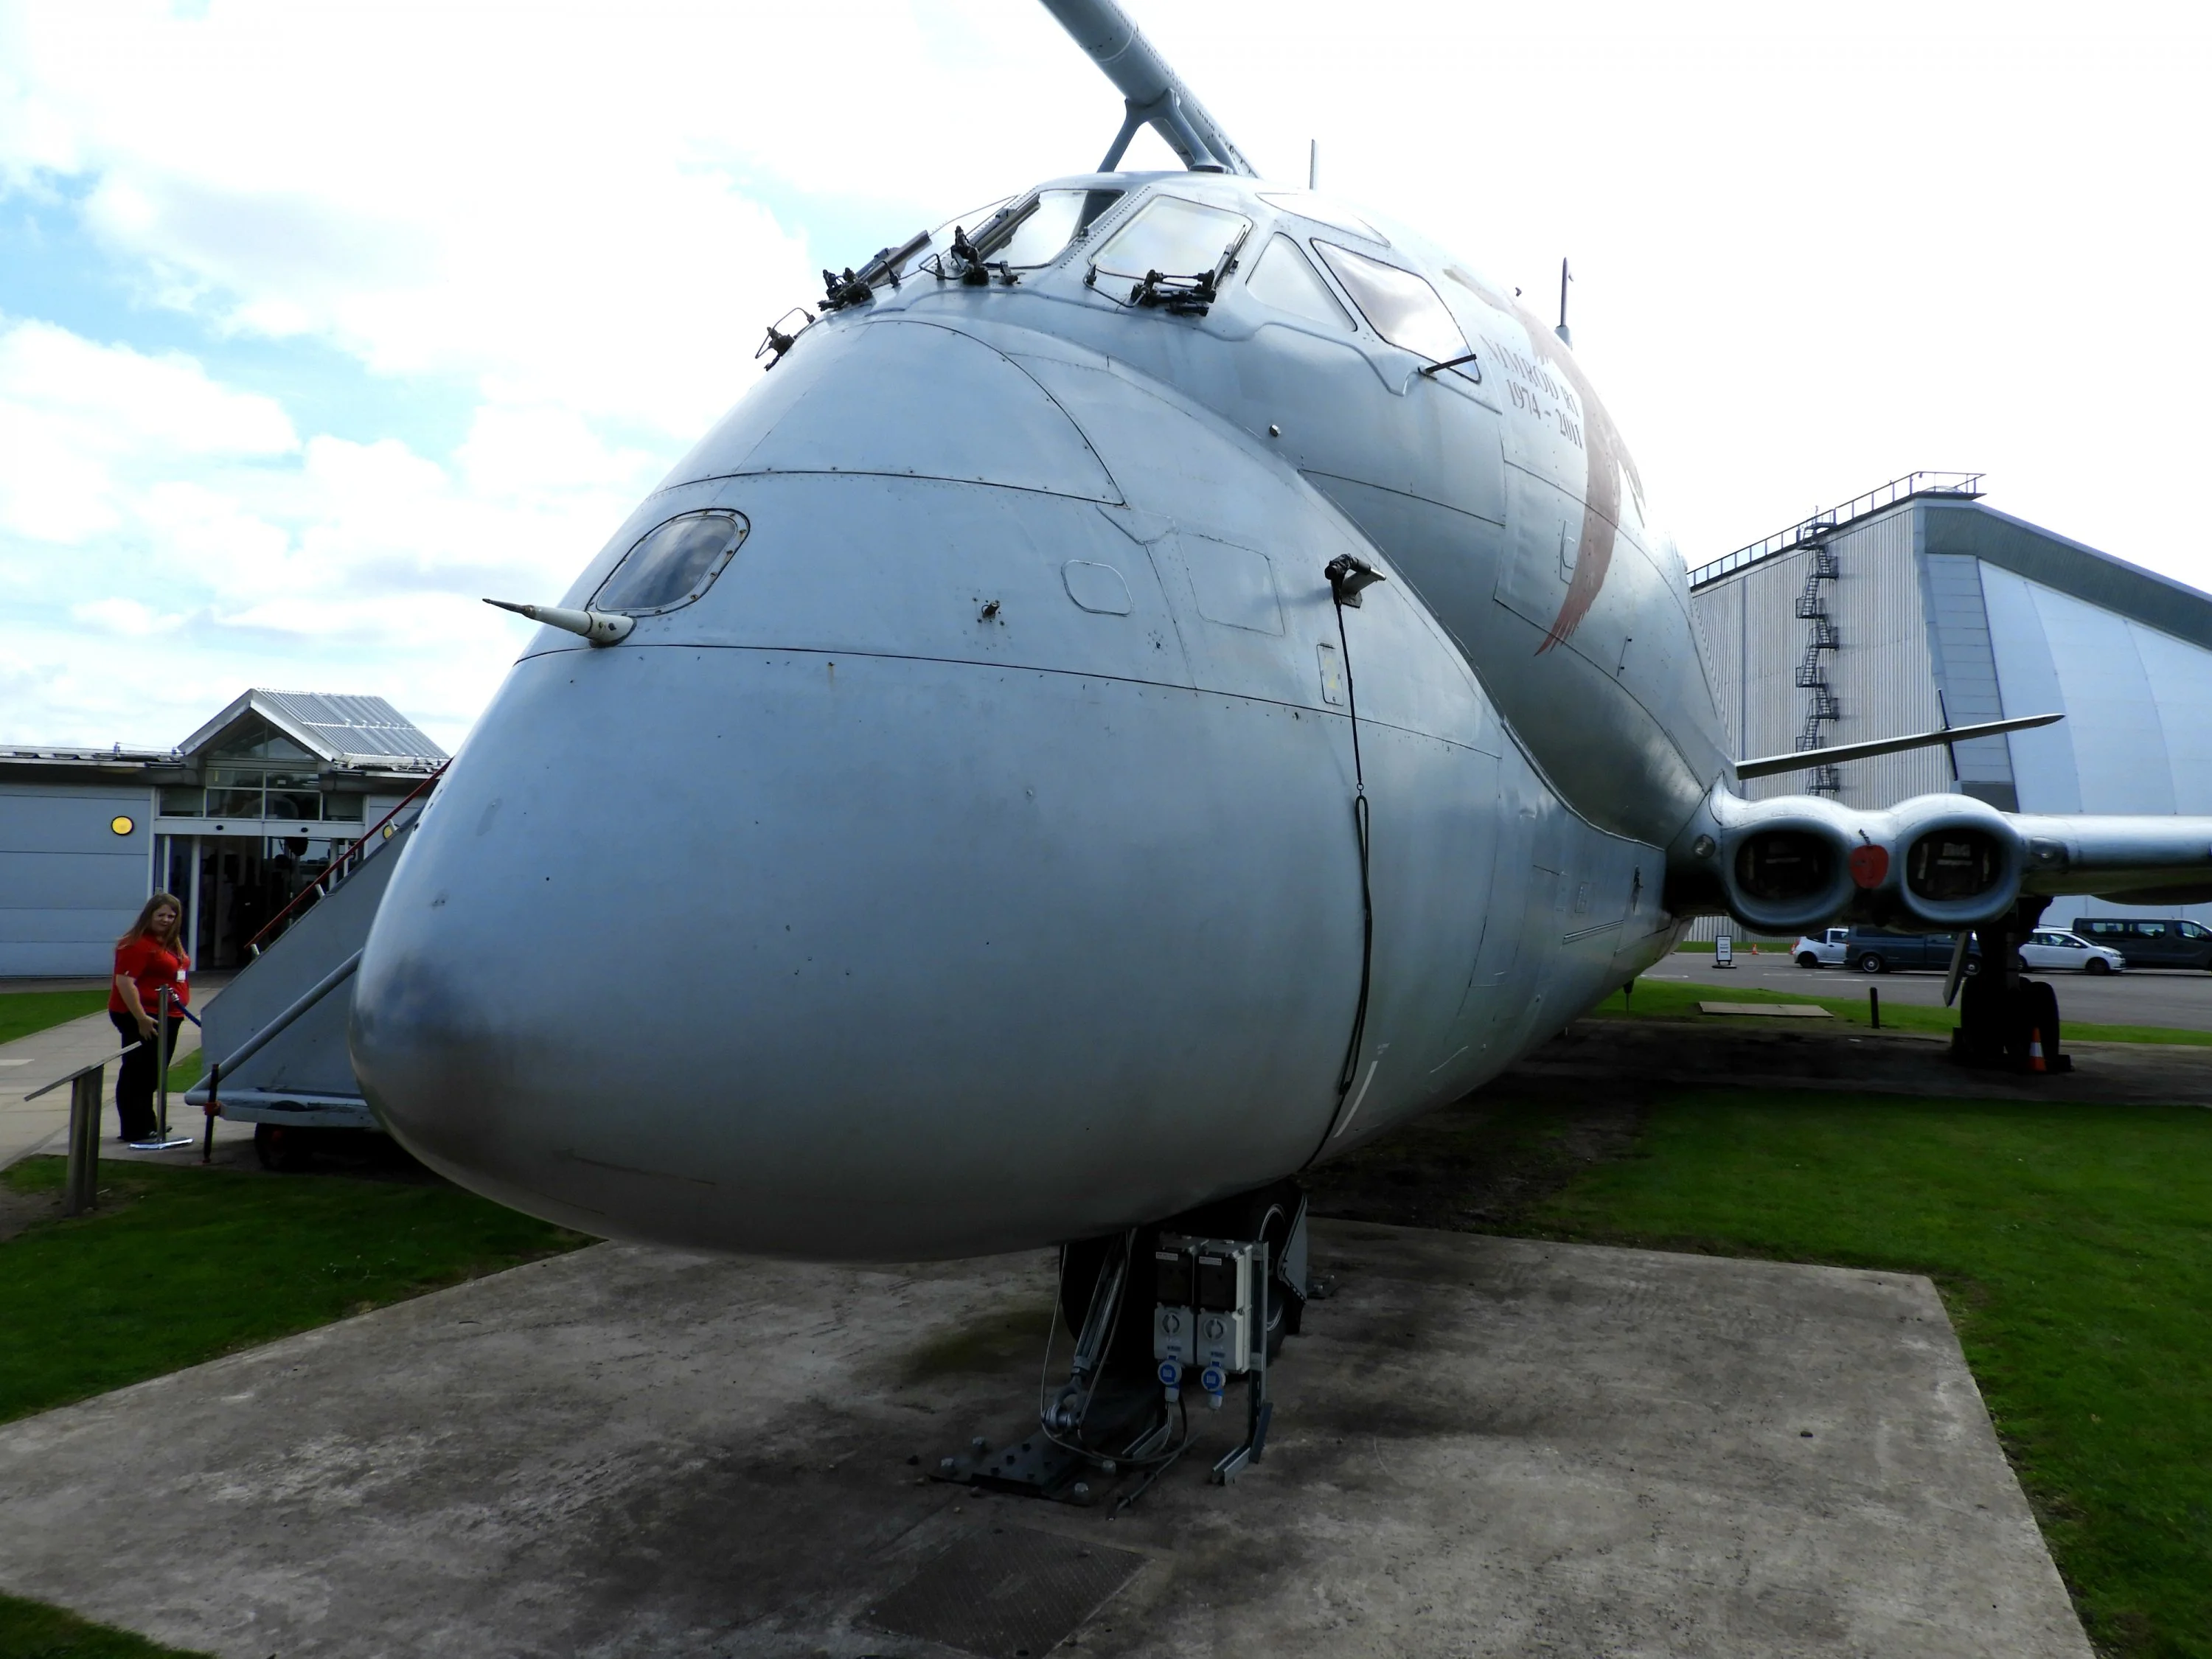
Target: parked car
2178, 943
2054, 947
1882, 949
1827, 951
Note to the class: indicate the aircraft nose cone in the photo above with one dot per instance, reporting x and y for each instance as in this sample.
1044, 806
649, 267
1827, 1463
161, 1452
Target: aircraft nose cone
728, 949
968, 865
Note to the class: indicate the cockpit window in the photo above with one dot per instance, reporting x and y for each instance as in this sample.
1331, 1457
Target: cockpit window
1035, 232
1173, 237
672, 564
1285, 279
1398, 306
1322, 210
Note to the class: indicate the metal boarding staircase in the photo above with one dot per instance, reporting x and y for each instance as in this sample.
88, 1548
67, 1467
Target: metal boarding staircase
1822, 709
276, 1039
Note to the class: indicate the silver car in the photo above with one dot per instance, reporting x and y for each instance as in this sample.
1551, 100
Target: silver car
1827, 949
2054, 948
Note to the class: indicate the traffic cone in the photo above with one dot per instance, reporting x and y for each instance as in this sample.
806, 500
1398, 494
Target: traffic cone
2035, 1049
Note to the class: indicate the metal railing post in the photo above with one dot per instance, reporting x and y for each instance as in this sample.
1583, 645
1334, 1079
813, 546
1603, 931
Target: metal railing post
81, 1189
162, 1060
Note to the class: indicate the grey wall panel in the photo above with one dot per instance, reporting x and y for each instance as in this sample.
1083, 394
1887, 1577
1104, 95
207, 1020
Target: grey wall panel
32, 960
91, 930
1766, 711
2137, 736
2042, 760
2117, 737
58, 818
1883, 673
2180, 677
1965, 672
1718, 612
70, 881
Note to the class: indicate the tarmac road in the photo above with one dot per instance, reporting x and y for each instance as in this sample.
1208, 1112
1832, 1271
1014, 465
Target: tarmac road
2152, 996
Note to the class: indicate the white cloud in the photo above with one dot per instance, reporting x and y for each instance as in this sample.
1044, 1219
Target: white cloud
72, 410
173, 535
126, 616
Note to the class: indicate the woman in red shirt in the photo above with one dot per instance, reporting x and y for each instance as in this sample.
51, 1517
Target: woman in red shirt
147, 958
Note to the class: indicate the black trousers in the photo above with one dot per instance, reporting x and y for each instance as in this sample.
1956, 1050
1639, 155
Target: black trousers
140, 1076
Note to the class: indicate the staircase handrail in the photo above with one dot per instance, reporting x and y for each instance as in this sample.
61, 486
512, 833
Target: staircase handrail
353, 855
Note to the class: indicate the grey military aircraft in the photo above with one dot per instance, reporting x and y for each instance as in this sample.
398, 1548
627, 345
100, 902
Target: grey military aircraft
1163, 680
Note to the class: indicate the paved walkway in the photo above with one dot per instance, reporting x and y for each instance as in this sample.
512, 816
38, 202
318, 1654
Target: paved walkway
42, 1125
2149, 996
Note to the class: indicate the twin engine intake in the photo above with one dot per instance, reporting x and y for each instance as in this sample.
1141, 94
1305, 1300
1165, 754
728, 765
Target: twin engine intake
1796, 863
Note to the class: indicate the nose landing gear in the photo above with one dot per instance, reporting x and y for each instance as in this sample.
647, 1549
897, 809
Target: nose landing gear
1199, 1302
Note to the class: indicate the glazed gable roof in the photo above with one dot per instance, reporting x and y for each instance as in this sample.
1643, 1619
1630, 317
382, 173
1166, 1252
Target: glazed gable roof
339, 729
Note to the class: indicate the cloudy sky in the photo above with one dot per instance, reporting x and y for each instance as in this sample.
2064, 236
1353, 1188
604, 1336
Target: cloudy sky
318, 320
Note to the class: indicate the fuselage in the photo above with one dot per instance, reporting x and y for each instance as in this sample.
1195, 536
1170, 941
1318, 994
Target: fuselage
971, 860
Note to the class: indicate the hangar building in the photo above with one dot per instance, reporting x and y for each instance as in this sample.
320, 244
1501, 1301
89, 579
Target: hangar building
236, 821
1918, 605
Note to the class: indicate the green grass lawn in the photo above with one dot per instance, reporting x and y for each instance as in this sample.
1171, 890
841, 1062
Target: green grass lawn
2073, 1245
31, 1630
180, 1266
22, 1012
1672, 999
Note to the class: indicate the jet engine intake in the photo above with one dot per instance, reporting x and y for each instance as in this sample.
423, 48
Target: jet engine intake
1953, 864
1785, 866
1963, 859
1797, 862
1781, 866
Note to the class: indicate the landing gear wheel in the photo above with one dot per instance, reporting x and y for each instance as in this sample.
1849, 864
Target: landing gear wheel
280, 1149
1871, 963
1973, 966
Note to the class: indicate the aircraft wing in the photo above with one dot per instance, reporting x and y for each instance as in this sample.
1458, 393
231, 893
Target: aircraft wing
1949, 860
2123, 858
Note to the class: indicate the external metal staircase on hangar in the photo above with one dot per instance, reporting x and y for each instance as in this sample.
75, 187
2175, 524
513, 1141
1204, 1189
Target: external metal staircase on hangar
1822, 637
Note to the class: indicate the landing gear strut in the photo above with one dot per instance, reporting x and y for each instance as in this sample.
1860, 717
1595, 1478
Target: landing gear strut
2007, 1022
1191, 1305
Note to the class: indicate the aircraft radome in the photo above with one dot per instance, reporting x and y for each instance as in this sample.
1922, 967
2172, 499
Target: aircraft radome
1159, 682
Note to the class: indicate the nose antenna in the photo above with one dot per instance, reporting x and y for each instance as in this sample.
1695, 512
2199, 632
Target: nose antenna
599, 627
1154, 93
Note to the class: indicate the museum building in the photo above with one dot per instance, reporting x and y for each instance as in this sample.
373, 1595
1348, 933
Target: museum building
1918, 605
237, 821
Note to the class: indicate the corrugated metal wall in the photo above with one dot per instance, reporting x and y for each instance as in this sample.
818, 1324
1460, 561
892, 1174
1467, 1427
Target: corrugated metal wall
1882, 674
69, 883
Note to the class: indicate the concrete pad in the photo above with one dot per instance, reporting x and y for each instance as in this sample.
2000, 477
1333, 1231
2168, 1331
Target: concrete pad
1482, 1447
1785, 1009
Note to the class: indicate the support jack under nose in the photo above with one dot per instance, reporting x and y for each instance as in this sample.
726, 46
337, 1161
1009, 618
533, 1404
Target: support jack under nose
1195, 1305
